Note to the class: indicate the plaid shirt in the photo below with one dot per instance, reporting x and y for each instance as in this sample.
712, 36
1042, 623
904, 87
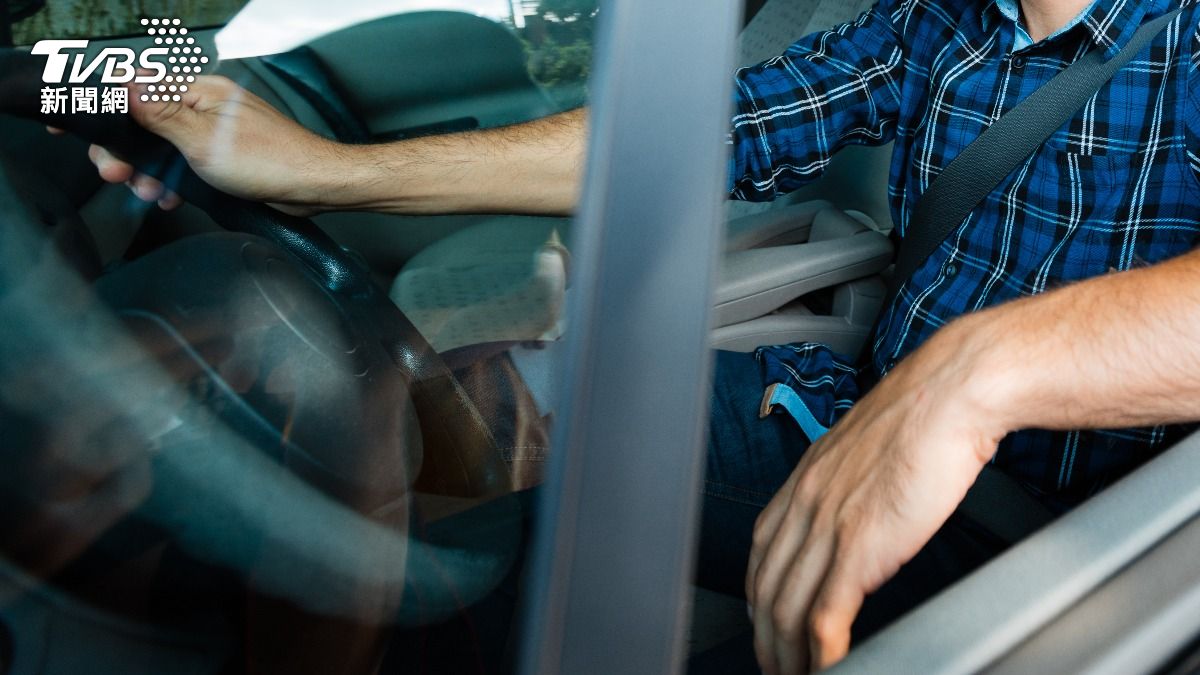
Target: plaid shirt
1117, 187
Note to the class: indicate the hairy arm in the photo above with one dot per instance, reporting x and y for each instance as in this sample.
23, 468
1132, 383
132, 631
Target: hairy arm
240, 144
532, 168
1114, 351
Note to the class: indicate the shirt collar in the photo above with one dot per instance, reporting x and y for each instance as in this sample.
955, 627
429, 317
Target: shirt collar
1108, 23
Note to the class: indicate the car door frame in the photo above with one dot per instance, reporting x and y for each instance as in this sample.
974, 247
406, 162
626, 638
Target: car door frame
614, 547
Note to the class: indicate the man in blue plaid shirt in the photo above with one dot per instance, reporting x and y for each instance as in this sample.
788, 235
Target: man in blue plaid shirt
1052, 334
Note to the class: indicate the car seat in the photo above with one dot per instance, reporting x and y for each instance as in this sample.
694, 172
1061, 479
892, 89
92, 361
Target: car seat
506, 280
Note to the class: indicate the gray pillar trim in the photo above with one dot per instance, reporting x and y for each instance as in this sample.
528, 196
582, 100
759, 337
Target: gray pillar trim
608, 588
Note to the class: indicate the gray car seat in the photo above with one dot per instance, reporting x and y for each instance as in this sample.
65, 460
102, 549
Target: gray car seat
506, 280
502, 280
774, 263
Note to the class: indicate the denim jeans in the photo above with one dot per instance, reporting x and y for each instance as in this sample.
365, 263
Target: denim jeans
749, 459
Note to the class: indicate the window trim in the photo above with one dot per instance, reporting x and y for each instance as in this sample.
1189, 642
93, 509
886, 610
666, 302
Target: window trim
989, 616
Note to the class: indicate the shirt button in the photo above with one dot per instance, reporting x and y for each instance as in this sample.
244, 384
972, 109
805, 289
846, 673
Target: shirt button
1018, 62
950, 271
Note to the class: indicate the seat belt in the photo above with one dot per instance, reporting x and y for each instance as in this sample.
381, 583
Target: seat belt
997, 502
1005, 145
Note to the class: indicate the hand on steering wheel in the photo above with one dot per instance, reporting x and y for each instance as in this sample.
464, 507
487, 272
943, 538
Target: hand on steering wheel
235, 141
214, 129
460, 458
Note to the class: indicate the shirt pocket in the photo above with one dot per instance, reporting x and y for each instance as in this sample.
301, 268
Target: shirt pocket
1069, 169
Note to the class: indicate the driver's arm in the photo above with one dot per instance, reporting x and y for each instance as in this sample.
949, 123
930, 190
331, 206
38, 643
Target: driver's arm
240, 144
1114, 351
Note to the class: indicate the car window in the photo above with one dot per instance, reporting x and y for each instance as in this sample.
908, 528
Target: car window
340, 441
290, 474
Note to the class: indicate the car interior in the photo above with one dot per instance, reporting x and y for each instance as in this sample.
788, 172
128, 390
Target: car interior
804, 269
493, 287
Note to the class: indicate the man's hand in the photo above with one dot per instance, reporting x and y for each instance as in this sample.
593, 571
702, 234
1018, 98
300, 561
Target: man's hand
863, 500
236, 142
239, 144
1114, 351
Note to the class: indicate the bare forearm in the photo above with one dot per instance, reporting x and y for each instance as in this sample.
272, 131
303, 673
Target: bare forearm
240, 144
1115, 351
530, 168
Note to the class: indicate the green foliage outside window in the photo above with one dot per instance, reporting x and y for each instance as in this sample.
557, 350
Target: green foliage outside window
66, 19
558, 39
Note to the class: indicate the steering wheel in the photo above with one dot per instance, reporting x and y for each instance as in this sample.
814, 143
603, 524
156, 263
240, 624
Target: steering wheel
460, 458
281, 258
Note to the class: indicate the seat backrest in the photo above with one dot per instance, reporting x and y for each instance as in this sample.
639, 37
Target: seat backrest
407, 82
